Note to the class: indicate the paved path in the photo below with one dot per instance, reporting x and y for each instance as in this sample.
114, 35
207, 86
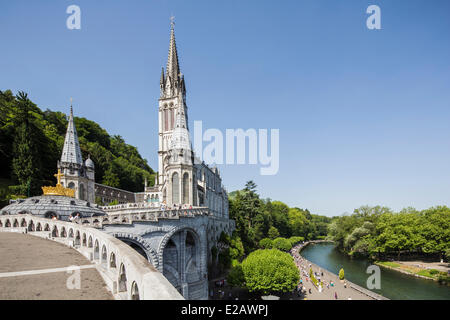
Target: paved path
36, 268
341, 289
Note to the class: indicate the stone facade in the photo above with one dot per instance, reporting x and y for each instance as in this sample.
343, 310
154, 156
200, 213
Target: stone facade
173, 224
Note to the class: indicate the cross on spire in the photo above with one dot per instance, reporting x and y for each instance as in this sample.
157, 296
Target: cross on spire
58, 176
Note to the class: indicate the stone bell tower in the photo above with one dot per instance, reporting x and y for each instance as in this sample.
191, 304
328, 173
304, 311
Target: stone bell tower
175, 155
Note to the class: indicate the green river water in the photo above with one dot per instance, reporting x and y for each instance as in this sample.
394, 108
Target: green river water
394, 285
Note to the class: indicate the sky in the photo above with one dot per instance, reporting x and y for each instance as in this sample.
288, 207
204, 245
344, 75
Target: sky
363, 115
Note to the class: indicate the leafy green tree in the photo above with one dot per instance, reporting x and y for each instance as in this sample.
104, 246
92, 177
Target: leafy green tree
273, 233
26, 164
265, 243
236, 276
270, 271
282, 244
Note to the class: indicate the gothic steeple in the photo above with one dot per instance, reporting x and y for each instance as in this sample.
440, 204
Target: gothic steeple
71, 150
172, 83
173, 68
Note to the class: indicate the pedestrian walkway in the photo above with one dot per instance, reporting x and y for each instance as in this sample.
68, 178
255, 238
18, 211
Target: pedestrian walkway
332, 288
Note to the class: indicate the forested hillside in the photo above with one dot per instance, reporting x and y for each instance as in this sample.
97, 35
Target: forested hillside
257, 219
31, 142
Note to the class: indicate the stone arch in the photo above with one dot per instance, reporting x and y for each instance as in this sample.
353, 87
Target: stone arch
150, 253
38, 227
55, 232
96, 250
84, 240
104, 258
193, 255
63, 233
134, 291
71, 233
77, 238
31, 226
112, 260
122, 279
51, 215
90, 242
1, 223
46, 227
76, 213
23, 223
16, 223
169, 235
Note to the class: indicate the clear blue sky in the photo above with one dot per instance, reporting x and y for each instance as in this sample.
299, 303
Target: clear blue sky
363, 114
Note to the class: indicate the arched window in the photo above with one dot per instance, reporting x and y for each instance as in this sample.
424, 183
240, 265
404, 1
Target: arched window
82, 197
112, 260
96, 250
134, 291
166, 120
104, 256
170, 119
185, 188
122, 279
175, 188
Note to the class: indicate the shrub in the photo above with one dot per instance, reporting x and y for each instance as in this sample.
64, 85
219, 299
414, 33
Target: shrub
266, 243
282, 244
269, 271
295, 240
236, 276
341, 274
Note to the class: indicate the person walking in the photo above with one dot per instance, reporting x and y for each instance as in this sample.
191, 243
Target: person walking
335, 295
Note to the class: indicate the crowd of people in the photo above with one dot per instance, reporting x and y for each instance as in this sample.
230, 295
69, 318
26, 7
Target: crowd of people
304, 268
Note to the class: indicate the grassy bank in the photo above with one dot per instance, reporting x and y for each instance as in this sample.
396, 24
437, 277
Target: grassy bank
431, 274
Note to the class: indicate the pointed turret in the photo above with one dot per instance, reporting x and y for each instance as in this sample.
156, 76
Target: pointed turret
71, 151
173, 68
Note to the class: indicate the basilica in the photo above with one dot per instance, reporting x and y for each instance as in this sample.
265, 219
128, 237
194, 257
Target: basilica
174, 224
182, 180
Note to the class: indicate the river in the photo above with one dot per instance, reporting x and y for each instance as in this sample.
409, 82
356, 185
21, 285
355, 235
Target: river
394, 285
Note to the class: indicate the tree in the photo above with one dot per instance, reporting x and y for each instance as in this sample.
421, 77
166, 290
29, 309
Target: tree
236, 276
265, 243
273, 233
282, 244
270, 271
26, 164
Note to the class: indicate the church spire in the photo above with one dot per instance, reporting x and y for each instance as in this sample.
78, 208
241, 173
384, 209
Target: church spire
71, 150
173, 67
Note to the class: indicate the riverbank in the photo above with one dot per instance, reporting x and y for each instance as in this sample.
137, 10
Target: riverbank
425, 270
332, 288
